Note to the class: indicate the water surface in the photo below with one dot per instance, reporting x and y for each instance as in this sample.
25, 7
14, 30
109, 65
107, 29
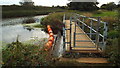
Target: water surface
13, 27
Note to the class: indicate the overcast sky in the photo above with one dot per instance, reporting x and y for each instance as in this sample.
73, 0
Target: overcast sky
50, 2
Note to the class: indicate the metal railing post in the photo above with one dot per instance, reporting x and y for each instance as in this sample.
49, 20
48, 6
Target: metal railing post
91, 28
105, 35
70, 32
63, 37
97, 34
83, 24
74, 40
64, 32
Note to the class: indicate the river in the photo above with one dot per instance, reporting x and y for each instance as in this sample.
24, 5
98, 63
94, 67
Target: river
13, 27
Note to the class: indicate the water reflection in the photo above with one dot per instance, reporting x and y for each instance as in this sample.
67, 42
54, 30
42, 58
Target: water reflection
14, 21
11, 28
28, 28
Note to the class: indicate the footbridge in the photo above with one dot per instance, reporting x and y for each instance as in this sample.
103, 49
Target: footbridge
84, 35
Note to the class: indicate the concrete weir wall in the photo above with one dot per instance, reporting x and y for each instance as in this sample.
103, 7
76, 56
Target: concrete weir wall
58, 46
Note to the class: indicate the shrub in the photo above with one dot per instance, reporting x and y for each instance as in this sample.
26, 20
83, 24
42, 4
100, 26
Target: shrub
113, 34
18, 54
55, 20
112, 51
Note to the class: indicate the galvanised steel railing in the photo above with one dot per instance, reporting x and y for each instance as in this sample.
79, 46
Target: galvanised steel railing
76, 18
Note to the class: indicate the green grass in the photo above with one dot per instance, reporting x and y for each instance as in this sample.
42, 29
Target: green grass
106, 13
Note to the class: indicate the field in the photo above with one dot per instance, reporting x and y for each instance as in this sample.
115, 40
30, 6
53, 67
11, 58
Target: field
21, 11
106, 13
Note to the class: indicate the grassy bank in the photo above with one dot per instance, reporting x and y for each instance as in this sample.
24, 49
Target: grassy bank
23, 11
55, 20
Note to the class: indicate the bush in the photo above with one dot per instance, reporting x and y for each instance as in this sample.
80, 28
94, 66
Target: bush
18, 54
112, 51
55, 20
113, 34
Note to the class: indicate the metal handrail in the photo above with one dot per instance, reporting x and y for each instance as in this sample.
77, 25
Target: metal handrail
90, 28
75, 17
93, 19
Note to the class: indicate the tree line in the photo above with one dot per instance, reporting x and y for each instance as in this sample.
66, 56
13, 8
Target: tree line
91, 6
81, 6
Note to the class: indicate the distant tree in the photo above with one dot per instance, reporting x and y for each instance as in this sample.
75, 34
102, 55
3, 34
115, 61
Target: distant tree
58, 6
103, 6
26, 3
109, 6
83, 6
53, 6
62, 7
118, 4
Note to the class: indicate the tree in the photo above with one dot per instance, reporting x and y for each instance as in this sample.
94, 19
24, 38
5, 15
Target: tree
103, 6
26, 3
83, 6
58, 6
53, 6
118, 4
109, 6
